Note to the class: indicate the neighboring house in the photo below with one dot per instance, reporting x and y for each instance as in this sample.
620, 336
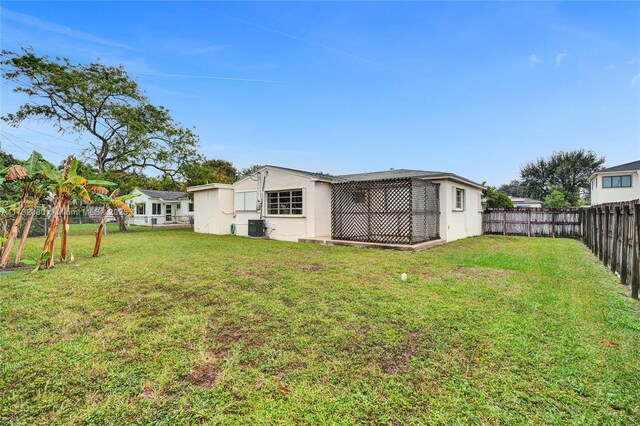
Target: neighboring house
615, 184
528, 203
166, 207
396, 206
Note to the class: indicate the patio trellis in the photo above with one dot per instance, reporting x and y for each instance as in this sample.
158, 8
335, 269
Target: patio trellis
392, 211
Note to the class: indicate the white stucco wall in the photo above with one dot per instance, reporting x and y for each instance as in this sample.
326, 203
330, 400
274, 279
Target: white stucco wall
601, 195
215, 208
213, 211
454, 224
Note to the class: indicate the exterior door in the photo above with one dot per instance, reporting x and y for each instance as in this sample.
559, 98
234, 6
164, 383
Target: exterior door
167, 217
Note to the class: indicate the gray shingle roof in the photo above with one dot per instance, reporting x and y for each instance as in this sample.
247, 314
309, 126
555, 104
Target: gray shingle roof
405, 173
313, 175
387, 174
634, 165
165, 195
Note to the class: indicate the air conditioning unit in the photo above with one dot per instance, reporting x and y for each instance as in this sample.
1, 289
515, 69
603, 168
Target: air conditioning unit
257, 228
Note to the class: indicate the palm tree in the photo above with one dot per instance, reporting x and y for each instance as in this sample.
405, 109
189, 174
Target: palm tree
114, 201
29, 174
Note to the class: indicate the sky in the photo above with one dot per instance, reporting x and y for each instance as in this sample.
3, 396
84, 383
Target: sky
476, 89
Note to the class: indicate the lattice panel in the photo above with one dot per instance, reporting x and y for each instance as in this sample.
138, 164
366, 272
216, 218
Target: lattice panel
384, 211
426, 210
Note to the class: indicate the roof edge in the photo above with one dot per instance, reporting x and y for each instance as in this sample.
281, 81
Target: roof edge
207, 186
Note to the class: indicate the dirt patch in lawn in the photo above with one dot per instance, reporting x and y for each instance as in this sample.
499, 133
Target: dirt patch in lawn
206, 373
314, 267
399, 361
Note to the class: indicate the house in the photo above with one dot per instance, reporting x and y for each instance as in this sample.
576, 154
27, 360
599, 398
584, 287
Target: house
616, 184
166, 207
395, 206
527, 203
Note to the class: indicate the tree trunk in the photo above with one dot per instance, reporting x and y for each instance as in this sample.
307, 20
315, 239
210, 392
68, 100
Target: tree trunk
27, 227
65, 229
103, 216
49, 242
122, 227
13, 234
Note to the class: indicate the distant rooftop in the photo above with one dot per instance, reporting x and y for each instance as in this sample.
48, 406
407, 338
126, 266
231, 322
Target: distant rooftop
164, 195
634, 165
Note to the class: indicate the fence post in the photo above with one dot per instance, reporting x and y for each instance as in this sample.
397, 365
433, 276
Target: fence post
553, 224
504, 223
529, 224
614, 243
600, 249
625, 244
635, 273
607, 219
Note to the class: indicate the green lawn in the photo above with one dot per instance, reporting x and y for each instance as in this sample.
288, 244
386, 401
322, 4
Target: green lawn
170, 327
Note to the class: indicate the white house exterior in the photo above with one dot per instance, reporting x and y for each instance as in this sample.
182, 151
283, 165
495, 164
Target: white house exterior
152, 207
298, 205
616, 184
526, 203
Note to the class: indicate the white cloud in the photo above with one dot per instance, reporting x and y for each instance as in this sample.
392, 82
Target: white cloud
560, 57
52, 27
533, 60
635, 80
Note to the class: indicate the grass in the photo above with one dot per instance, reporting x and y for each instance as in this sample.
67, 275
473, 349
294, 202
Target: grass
172, 327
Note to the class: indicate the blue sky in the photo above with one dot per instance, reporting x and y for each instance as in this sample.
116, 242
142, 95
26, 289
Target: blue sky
472, 88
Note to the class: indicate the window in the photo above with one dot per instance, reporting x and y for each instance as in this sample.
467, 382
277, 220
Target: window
141, 208
156, 208
190, 207
616, 181
284, 202
246, 201
459, 199
178, 206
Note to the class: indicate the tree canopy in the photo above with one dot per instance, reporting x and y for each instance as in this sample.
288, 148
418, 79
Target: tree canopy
128, 133
568, 172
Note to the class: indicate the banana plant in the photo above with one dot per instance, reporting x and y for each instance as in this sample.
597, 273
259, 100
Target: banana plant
115, 201
65, 185
30, 174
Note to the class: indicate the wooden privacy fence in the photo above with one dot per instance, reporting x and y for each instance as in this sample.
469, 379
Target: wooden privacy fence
612, 232
542, 222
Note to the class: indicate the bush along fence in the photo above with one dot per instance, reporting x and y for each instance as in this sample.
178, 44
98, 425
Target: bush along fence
612, 232
542, 222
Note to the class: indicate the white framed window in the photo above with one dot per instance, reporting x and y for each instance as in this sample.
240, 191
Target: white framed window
623, 181
190, 207
246, 201
285, 202
458, 199
141, 208
156, 208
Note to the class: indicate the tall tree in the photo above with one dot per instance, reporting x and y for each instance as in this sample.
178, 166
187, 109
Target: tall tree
515, 188
210, 171
128, 132
568, 171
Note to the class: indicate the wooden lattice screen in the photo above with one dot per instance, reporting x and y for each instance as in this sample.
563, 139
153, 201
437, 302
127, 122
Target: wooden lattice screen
392, 211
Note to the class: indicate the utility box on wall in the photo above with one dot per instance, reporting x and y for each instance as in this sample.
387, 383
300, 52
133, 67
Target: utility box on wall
257, 228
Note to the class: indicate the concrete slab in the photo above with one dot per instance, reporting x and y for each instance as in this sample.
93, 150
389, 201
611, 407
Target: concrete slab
402, 247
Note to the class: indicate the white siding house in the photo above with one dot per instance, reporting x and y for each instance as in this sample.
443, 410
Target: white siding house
616, 184
161, 207
298, 205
